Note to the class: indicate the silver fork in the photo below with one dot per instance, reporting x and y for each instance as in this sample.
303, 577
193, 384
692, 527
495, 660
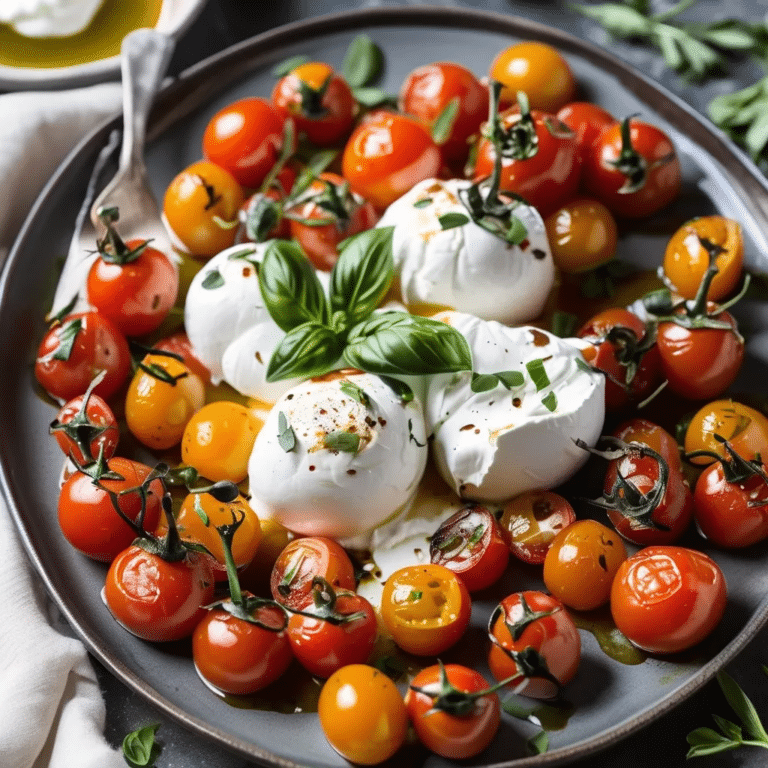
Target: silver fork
145, 55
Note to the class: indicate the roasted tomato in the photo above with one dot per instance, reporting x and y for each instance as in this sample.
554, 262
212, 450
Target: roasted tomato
471, 545
587, 121
665, 599
426, 608
535, 645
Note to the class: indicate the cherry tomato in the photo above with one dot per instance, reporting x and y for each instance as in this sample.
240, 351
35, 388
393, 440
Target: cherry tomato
541, 163
302, 560
633, 169
201, 206
428, 91
179, 344
261, 215
338, 629
218, 440
587, 121
471, 545
328, 200
745, 429
538, 70
257, 574
582, 235
447, 722
665, 599
246, 139
534, 642
88, 518
426, 608
695, 246
157, 599
640, 430
581, 563
318, 100
530, 522
238, 655
385, 156
161, 399
362, 714
75, 350
622, 349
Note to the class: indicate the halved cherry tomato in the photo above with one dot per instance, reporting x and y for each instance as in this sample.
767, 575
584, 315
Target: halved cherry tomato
302, 560
534, 642
530, 522
386, 155
581, 563
587, 121
452, 711
319, 101
470, 544
75, 350
665, 599
426, 608
538, 70
87, 515
362, 714
245, 138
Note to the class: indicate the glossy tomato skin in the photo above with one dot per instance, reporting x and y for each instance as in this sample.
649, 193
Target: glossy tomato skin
665, 599
426, 608
662, 177
245, 138
155, 599
587, 121
387, 155
98, 346
362, 714
553, 637
428, 90
470, 544
547, 178
179, 344
238, 657
302, 560
319, 101
456, 737
98, 421
530, 522
135, 296
88, 519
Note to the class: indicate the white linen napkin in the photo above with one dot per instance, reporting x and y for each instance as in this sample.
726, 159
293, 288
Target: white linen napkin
51, 709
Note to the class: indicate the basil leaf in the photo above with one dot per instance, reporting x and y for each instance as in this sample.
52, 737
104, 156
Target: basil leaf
511, 379
346, 442
483, 382
537, 373
67, 337
400, 388
289, 286
373, 97
139, 747
443, 124
363, 273
212, 280
286, 67
549, 401
453, 220
538, 744
308, 350
423, 202
400, 343
363, 62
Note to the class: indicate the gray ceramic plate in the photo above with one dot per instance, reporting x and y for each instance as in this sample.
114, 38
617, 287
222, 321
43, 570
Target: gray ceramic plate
610, 700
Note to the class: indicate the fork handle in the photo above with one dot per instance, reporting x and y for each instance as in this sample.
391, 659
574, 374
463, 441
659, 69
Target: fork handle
145, 55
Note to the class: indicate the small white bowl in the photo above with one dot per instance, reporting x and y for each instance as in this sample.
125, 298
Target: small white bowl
175, 17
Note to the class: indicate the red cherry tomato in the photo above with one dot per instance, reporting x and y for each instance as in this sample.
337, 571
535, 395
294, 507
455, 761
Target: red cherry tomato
318, 100
302, 560
665, 599
534, 642
587, 121
338, 629
239, 655
530, 522
179, 344
157, 599
386, 155
452, 711
245, 138
88, 518
75, 350
428, 91
633, 168
471, 545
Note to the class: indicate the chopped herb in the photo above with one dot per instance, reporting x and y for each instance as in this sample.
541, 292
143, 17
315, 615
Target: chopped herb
286, 67
415, 595
443, 124
537, 373
346, 442
511, 379
453, 220
549, 401
411, 436
423, 202
352, 390
483, 382
286, 437
200, 511
363, 62
212, 280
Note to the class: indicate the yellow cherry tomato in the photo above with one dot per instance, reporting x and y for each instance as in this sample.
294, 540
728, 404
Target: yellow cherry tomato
161, 399
693, 247
362, 714
218, 440
538, 70
745, 429
582, 235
